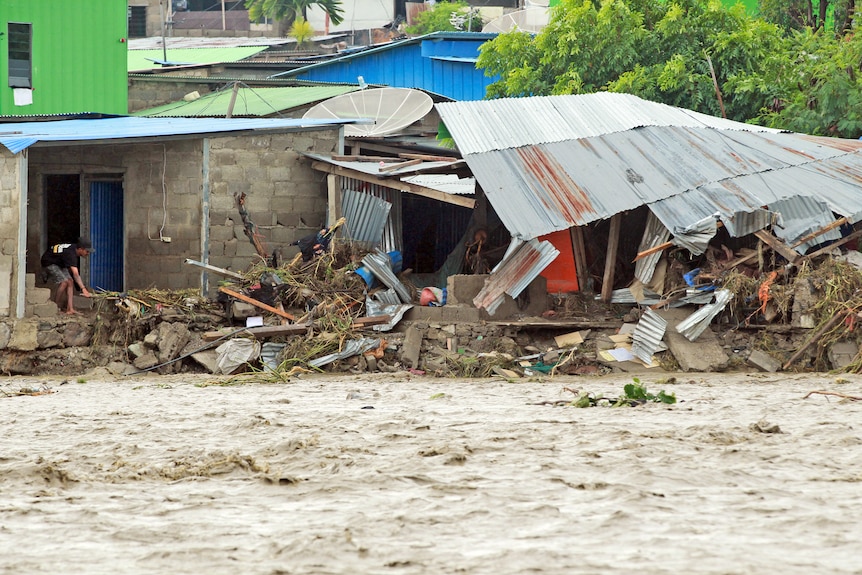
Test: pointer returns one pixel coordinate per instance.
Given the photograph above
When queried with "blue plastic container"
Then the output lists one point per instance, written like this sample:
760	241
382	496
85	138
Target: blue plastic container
395	260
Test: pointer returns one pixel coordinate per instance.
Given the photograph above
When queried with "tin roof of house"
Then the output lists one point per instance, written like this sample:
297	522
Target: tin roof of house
247	101
549	163
158	58
19	136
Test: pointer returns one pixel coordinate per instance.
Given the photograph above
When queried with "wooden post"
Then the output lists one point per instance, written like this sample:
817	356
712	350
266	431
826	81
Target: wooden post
611	257
232	100
580	252
333	199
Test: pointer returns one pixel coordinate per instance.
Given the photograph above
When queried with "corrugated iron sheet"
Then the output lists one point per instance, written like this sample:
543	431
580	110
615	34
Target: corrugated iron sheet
447	183
515	272
648	335
258	102
366	217
392	233
695	324
373	168
801	216
486	125
380	265
540	189
144	59
19	136
655	234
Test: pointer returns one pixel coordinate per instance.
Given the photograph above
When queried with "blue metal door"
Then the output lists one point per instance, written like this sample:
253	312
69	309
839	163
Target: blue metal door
106	233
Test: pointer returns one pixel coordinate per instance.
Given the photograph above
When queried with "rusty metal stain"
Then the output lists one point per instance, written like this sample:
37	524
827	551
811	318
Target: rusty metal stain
558	190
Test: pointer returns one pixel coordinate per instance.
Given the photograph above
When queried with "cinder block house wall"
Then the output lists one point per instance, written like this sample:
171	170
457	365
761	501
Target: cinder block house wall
285	198
11	168
164	196
151	209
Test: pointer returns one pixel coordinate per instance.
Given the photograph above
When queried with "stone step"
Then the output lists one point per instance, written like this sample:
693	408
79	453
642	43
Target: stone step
35	295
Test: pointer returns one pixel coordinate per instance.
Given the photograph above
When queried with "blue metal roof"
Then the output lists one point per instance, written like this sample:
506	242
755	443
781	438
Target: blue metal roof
19	136
442	62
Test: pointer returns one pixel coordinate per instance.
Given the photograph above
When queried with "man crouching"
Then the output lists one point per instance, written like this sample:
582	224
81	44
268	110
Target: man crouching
60	265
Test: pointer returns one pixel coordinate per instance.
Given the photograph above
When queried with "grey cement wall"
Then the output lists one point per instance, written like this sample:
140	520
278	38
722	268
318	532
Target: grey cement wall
286	199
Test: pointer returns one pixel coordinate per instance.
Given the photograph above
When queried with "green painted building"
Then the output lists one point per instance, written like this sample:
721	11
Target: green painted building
63	57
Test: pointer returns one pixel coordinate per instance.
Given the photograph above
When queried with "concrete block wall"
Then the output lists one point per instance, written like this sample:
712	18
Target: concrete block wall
285	198
149	93
164	194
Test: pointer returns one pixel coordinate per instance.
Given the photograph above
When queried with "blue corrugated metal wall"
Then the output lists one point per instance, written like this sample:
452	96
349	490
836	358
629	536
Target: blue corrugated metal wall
106	229
410	65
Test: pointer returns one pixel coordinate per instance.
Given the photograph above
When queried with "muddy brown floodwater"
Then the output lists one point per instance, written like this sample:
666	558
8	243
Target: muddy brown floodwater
399	475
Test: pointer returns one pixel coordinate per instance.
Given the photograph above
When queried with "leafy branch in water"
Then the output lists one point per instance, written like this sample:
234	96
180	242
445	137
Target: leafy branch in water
634	394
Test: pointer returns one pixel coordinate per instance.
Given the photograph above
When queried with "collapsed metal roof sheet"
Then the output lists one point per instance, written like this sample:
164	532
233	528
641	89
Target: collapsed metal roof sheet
448	183
544	188
247	102
486	125
19	136
379	168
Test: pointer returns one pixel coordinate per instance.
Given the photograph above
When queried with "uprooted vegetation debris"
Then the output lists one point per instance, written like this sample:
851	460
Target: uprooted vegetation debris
318	308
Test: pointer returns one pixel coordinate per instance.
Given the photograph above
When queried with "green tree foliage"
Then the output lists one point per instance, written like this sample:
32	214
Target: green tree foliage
660	51
813	83
290	10
447	16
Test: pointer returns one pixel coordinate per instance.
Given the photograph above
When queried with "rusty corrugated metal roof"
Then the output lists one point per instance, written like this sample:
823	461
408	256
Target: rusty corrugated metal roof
543	188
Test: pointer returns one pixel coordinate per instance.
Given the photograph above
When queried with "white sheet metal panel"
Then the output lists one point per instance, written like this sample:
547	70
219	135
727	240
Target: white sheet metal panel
695	324
447	183
486	125
373	168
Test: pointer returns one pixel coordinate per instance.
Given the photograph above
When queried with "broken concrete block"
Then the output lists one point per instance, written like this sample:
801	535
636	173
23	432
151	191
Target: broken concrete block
704	354
137	349
411	348
842	353
208	359
24	336
146	361
763	361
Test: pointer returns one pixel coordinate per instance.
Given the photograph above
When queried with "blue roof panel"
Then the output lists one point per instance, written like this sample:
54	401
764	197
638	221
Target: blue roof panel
19	136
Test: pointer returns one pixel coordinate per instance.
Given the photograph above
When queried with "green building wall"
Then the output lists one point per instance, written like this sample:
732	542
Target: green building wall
78	56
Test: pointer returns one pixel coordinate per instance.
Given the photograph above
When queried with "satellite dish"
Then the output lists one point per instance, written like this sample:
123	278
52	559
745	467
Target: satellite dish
392	109
526	20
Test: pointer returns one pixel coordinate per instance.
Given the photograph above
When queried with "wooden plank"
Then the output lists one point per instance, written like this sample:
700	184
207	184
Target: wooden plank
611	257
396	184
580	253
428	158
333	198
816	233
358	158
786	251
221	271
262	331
371	320
256	303
393	167
841	242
